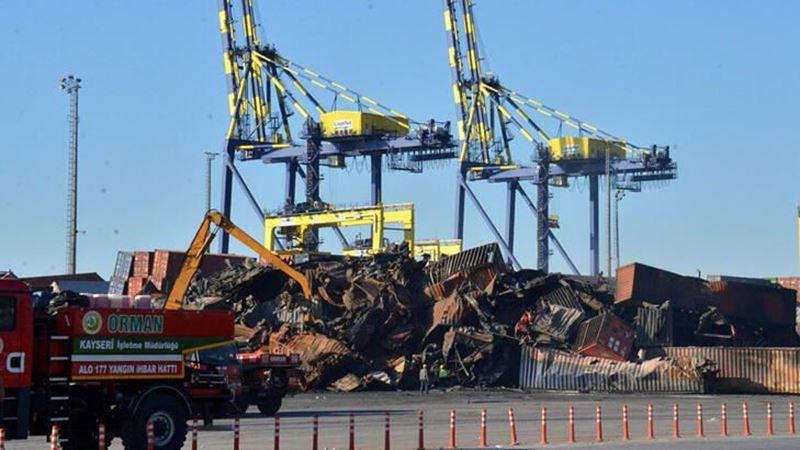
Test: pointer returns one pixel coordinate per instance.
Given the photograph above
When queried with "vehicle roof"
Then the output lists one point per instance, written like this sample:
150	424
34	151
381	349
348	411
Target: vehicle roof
7	285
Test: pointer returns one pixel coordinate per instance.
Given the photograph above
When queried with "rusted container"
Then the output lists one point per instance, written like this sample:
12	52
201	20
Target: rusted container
772	304
605	336
556	370
142	263
790	283
637	283
749	370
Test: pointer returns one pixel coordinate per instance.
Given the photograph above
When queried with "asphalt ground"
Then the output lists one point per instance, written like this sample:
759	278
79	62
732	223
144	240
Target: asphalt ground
369	411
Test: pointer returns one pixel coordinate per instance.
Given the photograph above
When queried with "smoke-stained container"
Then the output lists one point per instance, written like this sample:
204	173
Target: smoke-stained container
605	336
749	370
556	370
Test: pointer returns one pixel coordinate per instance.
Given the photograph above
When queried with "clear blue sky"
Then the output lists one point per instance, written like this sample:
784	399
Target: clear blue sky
718	80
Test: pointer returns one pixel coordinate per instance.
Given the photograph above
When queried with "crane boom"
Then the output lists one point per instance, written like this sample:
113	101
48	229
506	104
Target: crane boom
199	247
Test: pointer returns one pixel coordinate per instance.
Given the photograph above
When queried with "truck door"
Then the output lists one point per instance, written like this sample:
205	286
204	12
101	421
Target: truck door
16	340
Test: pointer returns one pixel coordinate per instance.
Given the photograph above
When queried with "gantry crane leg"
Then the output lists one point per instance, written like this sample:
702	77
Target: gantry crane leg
227	190
511	212
460	198
594	225
376	179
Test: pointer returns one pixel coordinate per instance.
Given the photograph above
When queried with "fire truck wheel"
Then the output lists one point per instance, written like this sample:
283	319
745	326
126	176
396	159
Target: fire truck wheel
169	424
270	406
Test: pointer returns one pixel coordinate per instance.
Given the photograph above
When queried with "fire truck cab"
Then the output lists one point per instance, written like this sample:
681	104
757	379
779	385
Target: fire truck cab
78	367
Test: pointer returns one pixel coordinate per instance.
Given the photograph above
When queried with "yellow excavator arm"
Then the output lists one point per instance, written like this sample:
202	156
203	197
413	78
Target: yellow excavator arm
199	247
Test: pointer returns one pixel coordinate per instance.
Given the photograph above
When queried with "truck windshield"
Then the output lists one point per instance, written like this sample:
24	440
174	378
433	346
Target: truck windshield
219	356
7	313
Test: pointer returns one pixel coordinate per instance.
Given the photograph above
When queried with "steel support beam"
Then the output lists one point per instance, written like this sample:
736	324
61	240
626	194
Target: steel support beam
242	184
313	147
228	154
511	207
460	191
550	234
543	215
594	225
376	179
488	221
291	183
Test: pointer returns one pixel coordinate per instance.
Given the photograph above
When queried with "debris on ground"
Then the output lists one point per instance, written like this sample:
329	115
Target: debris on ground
374	321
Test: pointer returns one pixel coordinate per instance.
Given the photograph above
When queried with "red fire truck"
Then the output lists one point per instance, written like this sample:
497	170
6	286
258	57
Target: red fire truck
78	367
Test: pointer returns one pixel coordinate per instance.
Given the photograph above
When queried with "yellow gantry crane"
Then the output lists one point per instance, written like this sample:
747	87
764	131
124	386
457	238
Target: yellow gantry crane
379	219
266	89
488	114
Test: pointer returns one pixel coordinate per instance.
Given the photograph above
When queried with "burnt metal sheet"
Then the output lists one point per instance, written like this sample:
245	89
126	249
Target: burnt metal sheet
653	325
557	321
746	370
450	311
564	296
475	258
550	369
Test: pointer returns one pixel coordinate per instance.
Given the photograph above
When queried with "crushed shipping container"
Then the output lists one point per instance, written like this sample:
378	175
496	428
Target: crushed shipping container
557	370
748	370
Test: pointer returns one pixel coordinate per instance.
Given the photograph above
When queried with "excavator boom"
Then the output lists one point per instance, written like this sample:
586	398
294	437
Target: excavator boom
199	247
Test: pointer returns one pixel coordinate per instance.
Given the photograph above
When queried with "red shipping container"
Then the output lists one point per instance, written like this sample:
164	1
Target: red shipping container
605	336
136	284
142	263
167	263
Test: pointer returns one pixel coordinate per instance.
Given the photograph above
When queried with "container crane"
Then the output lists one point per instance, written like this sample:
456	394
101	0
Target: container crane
265	89
488	112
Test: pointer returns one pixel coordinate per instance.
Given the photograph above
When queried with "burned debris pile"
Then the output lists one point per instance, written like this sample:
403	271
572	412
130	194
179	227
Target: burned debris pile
374	323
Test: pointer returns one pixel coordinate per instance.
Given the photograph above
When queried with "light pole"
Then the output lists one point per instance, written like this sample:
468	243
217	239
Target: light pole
71	85
209	157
